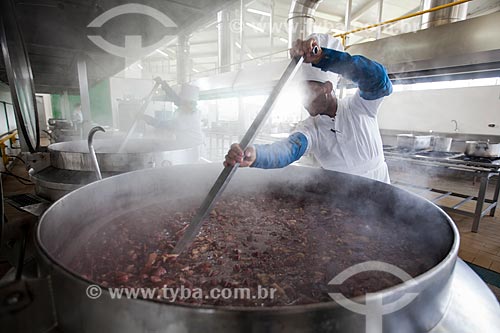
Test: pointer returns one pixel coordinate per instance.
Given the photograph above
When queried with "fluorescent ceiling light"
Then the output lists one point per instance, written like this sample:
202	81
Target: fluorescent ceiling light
237	45
140	66
162	53
173	40
250	56
260	12
253	26
284	40
195	70
210	24
325	16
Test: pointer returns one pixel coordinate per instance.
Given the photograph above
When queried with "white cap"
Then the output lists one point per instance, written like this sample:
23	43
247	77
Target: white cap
189	93
309	73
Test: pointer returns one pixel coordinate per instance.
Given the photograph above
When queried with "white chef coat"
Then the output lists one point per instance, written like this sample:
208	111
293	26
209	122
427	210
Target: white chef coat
187	128
351	141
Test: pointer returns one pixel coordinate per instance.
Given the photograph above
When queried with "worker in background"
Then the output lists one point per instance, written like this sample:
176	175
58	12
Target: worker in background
186	122
342	134
77	118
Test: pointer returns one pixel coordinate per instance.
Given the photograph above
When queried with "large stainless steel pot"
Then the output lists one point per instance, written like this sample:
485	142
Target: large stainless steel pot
442	144
482	149
71	164
414	142
139	154
442	298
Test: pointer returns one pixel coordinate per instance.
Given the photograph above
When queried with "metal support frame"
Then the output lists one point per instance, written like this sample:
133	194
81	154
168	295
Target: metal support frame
6	114
478	214
363	10
183	69
495	198
224	40
271	36
348	12
466	200
380	10
84	93
242	31
480	199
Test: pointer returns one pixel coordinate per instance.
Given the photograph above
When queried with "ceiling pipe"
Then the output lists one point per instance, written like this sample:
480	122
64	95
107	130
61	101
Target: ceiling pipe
223	40
301	19
182	60
443	16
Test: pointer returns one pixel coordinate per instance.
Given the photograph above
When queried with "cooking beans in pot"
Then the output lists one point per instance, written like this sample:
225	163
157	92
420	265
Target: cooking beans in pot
292	244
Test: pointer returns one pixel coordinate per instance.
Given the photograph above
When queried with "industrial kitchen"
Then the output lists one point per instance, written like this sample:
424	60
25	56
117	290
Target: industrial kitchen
278	166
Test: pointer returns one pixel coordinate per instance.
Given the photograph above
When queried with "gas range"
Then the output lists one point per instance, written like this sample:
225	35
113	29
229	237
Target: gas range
420	152
483	160
453	162
442	158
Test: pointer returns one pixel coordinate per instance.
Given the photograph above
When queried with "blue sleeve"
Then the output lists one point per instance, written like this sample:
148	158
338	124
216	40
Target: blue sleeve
370	76
281	153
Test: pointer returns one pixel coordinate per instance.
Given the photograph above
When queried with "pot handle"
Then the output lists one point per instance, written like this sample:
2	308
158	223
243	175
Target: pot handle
90	142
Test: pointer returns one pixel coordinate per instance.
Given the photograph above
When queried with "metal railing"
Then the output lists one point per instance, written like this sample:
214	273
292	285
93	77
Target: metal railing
11	137
397	19
342	36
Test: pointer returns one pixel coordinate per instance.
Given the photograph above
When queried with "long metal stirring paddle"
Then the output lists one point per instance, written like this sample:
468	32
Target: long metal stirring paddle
226	174
143	108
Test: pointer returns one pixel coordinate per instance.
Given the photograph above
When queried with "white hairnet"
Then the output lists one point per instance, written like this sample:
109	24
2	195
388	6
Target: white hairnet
309	73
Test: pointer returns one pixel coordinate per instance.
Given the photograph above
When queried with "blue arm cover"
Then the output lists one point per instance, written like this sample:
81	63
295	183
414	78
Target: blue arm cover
281	153
370	76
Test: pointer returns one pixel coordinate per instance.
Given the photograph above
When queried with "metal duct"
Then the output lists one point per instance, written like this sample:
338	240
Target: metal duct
183	68
301	19
224	40
442	16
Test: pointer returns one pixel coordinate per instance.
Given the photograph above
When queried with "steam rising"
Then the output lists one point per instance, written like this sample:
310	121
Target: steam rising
389	215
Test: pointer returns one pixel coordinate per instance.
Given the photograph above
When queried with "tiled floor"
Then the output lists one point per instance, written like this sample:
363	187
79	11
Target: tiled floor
481	248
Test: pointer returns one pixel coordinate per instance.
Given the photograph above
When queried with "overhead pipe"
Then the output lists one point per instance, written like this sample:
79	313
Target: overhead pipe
301	19
224	40
397	19
83	83
183	68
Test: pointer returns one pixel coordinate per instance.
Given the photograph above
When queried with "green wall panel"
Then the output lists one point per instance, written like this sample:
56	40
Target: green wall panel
100	103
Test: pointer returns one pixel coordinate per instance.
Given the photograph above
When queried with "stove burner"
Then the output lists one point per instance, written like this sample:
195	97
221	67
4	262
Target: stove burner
439	154
404	151
477	159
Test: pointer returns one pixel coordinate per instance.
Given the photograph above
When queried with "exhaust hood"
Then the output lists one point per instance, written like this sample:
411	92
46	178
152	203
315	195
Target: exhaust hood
460	50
